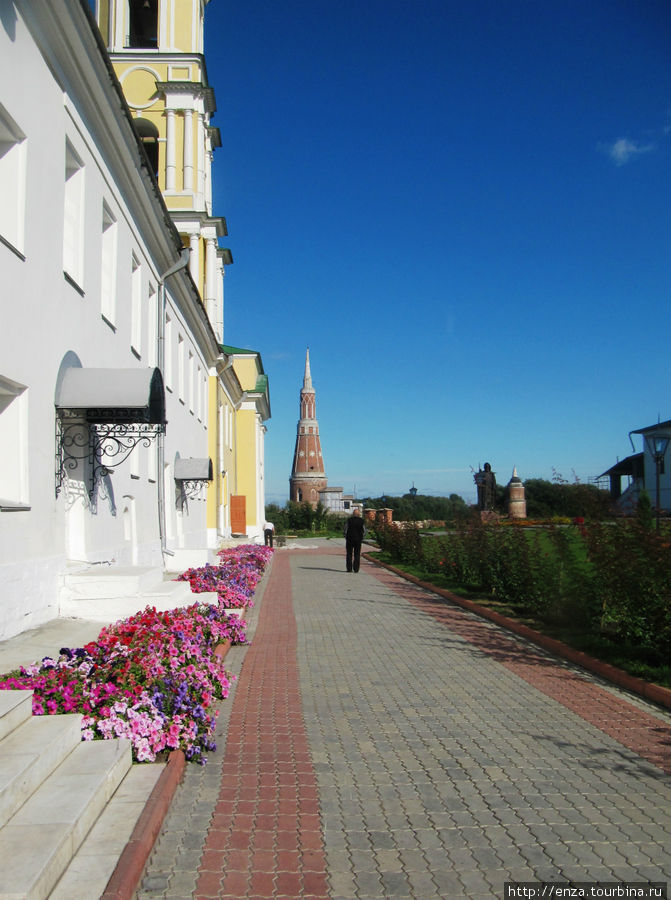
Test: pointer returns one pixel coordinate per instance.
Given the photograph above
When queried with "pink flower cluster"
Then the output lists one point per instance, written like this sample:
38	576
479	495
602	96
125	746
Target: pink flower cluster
152	678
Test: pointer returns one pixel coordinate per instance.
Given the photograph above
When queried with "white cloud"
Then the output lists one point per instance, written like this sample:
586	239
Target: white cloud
623	150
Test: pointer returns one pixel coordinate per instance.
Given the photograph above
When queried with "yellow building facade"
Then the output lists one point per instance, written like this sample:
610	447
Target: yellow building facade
247	478
156	48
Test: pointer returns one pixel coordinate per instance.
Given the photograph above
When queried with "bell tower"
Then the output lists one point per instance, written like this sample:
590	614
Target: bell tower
307	474
157	49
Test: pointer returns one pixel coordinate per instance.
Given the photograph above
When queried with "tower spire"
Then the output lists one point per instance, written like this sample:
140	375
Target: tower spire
307	474
307	378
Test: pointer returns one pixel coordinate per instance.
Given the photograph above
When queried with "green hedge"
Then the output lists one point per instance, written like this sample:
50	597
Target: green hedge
601	579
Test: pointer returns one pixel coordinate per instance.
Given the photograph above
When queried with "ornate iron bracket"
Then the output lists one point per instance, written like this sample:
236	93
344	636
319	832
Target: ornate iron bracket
191	487
97	446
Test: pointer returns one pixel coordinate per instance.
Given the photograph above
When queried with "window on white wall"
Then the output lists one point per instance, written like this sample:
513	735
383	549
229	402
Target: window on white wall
136	307
152	467
191	376
12	181
152	311
168	350
108	267
180	367
135	463
13	443
206	401
73	216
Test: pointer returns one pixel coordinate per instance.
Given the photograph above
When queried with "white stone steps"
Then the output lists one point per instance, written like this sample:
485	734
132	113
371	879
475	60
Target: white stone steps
40	840
109	582
16	707
29	754
173	594
54	787
109	594
92	867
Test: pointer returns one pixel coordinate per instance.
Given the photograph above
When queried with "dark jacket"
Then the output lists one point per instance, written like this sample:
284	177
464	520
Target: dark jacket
354	529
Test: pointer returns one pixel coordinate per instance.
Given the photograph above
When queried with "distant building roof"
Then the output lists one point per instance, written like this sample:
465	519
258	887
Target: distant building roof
630	465
659	426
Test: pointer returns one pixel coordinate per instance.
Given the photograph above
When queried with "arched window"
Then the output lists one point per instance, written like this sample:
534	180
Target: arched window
143	22
148	133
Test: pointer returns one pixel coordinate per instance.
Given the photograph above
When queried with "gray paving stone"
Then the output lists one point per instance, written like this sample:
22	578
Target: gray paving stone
395	884
368	883
358	840
342	883
388	860
448	883
422	885
461	858
362	860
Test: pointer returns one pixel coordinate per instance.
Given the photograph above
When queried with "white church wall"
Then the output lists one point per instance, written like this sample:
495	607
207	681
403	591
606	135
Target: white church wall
50	317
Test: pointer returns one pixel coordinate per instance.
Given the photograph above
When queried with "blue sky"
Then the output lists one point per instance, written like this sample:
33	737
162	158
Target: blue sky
463	208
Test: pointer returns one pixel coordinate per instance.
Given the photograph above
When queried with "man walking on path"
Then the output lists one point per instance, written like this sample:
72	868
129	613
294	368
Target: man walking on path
354	534
268	532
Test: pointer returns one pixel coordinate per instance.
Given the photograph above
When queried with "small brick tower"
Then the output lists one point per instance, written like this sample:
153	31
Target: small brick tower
517	504
307	474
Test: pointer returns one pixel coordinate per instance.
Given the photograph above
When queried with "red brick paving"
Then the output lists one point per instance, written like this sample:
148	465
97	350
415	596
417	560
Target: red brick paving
265	838
632	727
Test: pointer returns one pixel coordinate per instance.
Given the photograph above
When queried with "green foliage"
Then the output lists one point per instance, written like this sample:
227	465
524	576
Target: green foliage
421	507
546	499
402	544
632	575
644	512
610	581
301	517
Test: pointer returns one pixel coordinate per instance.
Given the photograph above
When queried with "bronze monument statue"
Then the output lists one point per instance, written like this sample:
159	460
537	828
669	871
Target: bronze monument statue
486	484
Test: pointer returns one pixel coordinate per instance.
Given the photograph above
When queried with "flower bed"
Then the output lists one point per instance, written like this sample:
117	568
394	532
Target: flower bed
152	678
234	579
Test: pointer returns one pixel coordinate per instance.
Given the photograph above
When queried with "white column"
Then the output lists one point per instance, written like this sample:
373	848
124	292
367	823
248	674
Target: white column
188	149
210	269
119	40
219	327
200	201
194	268
208	182
170	170
212	293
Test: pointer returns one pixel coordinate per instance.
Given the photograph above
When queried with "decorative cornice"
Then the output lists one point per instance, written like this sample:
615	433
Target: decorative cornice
192	88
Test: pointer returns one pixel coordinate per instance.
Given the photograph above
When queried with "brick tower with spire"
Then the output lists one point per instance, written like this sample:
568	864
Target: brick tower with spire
307	474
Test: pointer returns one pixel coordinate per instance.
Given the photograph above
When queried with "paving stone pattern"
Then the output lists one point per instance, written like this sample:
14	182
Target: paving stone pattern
445	768
436	756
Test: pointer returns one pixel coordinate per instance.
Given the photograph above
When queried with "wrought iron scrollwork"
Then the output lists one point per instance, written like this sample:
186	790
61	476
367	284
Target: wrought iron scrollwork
191	487
102	446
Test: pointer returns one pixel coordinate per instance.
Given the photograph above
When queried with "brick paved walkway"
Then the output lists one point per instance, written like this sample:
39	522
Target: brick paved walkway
444	757
265	836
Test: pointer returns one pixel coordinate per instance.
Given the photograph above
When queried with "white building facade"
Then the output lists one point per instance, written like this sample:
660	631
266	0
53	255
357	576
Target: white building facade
106	347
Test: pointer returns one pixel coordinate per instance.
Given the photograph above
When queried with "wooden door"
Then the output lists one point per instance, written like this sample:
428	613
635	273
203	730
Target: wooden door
238	514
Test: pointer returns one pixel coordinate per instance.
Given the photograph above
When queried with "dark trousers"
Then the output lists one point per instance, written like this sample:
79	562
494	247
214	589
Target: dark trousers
352	555
268	535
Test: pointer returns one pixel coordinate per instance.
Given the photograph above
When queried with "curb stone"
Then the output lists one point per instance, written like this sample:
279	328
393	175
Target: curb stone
129	868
